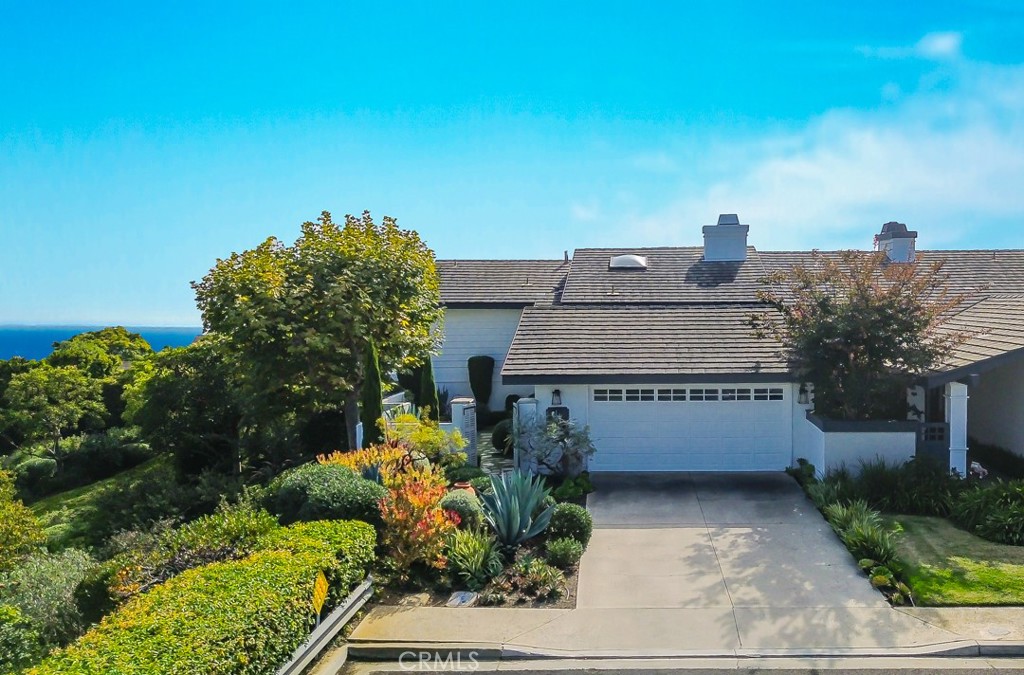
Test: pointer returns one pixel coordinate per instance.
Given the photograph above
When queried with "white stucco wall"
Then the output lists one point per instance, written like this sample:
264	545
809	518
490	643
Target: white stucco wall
576	397
807	443
995	410
473	332
849	449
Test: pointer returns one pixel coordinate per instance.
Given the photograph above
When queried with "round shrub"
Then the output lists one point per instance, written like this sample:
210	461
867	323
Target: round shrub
564	553
466	505
571	520
501	436
325	492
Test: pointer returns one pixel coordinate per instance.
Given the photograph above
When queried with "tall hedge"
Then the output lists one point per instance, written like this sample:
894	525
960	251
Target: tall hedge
371	410
481	375
427	395
240	617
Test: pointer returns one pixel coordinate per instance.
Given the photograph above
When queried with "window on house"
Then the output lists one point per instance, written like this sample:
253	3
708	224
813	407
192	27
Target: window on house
761	394
710	394
614	394
600	394
728	394
632	394
696	394
742	394
775	394
664	394
646	394
678	394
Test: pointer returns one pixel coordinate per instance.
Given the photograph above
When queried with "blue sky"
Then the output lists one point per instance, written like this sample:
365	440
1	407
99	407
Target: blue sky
141	141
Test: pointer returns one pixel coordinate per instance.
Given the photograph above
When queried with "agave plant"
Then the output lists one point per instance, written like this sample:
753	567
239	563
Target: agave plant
514	508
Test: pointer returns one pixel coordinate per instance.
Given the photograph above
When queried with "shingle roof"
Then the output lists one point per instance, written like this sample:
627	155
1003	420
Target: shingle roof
988	272
500	282
654	343
673	275
998	324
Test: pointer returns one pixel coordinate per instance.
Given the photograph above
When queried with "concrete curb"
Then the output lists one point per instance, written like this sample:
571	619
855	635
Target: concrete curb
388	651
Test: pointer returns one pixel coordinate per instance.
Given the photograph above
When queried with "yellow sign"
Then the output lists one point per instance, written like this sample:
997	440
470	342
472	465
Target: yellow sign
319	592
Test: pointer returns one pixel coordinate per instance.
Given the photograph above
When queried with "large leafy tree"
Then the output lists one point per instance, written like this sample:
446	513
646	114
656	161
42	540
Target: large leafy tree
299	319
11	432
860	329
111	355
50	402
185	403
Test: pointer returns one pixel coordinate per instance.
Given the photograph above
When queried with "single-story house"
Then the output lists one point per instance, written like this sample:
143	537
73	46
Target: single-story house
650	348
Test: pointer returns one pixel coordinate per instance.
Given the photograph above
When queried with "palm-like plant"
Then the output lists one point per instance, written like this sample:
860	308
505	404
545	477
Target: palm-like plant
515	508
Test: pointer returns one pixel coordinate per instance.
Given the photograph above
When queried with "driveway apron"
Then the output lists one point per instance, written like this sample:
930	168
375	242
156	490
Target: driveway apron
736	541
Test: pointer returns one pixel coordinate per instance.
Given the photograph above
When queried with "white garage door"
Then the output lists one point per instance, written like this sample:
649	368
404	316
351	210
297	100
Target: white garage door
691	428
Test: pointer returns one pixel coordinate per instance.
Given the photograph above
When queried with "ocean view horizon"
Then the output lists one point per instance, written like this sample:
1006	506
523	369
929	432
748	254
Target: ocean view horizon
36	341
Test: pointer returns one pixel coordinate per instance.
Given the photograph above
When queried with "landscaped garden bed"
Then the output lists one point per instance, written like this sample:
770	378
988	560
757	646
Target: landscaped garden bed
943	541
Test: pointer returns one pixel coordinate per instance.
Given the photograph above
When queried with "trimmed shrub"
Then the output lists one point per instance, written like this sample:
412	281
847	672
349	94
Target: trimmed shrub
325	492
466	506
571	520
481	374
426	397
564	553
510	402
240	617
474	557
501	437
371	408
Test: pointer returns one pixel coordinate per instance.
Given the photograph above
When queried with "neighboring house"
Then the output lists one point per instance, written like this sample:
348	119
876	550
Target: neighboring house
651	348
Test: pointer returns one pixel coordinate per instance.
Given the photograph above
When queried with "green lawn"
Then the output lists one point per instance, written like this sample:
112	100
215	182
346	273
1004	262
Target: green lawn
947	566
67	516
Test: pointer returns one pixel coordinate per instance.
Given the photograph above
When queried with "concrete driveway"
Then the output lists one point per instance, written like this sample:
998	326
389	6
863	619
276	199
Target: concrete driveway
749	542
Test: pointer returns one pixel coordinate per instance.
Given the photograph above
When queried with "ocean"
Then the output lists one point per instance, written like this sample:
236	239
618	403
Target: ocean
36	342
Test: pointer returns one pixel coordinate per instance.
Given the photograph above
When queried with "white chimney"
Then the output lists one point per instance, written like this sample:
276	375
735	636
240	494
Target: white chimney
897	242
726	241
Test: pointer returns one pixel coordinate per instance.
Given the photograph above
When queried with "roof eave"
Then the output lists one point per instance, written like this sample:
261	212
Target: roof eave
977	368
648	378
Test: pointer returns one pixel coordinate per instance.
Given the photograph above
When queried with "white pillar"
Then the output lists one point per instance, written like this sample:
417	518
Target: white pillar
464	419
956	416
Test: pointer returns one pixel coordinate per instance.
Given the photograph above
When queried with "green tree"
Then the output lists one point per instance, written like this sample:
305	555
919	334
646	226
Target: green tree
299	319
860	329
185	404
111	355
52	401
102	353
371	411
11	433
20	533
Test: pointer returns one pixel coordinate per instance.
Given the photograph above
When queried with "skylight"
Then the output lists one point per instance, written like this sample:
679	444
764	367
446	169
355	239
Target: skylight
628	261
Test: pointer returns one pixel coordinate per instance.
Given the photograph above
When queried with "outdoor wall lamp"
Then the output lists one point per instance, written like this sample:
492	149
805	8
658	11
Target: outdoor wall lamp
804	397
556	397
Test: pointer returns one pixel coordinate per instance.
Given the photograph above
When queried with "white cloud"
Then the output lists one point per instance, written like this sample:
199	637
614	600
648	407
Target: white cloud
584	213
938	46
941	161
655	162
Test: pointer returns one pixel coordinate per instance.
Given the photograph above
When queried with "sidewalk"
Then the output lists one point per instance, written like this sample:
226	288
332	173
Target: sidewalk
715	632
